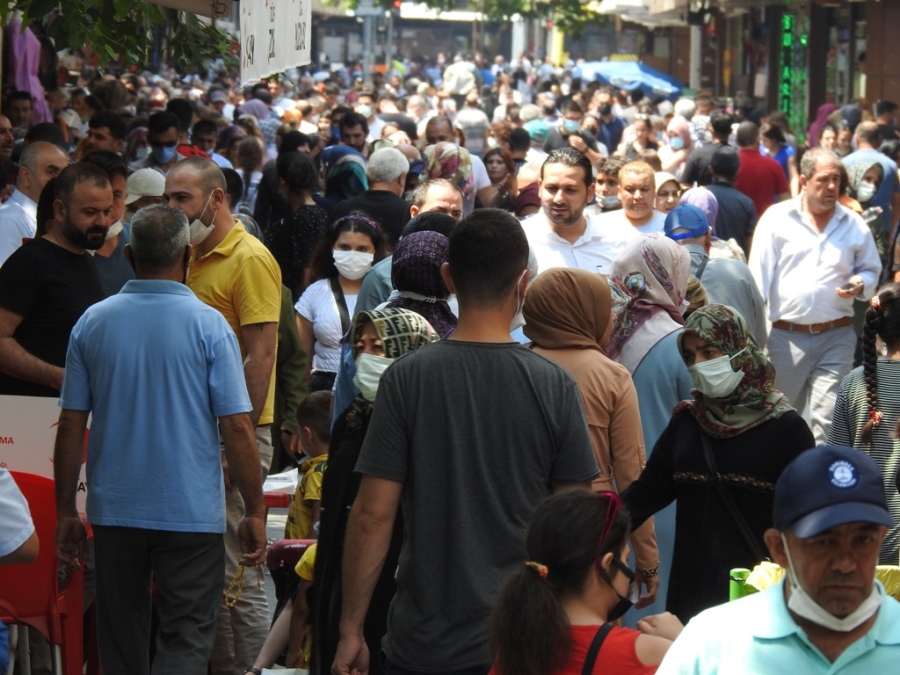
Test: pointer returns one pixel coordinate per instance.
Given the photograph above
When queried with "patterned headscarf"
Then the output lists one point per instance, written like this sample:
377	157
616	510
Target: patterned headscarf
345	171
856	172
649	283
416	274
400	330
567	308
704	200
755	400
448	160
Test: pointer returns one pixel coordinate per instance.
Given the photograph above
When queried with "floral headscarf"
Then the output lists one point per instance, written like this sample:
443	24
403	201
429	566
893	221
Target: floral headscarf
450	161
649	284
755	400
400	330
567	308
416	274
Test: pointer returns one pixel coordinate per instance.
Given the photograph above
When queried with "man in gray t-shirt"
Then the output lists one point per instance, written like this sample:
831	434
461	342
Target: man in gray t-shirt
468	435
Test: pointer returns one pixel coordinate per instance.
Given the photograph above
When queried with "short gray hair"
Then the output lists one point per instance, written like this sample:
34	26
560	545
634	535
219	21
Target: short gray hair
811	159
159	235
29	156
386	165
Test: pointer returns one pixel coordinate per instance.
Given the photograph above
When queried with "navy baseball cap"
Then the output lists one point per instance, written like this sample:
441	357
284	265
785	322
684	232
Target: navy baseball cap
689	218
828	486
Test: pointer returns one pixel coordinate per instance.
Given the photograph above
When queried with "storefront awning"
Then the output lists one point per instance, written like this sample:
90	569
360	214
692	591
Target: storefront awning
636	11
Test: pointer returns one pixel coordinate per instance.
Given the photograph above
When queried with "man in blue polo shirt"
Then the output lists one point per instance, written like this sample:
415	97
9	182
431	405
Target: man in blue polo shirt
162	374
829	614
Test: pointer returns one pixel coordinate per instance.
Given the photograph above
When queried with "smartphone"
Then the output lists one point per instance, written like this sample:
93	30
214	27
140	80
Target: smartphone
852	288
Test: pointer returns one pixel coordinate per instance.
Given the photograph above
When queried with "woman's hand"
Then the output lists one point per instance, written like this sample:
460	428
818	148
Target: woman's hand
665	625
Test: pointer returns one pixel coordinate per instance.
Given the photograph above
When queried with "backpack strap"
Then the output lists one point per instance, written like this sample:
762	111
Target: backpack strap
594	649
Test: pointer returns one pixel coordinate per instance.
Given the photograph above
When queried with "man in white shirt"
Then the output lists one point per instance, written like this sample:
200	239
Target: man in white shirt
811	258
637	194
561	235
18	216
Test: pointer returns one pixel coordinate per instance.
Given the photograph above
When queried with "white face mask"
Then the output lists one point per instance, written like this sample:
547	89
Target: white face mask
865	192
352	265
199	230
518	319
114	229
369	369
716	378
364	110
802	604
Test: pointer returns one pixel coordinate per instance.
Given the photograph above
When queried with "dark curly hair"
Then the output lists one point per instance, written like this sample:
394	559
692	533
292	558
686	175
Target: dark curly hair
322	260
882	320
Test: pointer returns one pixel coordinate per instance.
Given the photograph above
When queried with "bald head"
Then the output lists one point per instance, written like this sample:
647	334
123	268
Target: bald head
40	162
205	172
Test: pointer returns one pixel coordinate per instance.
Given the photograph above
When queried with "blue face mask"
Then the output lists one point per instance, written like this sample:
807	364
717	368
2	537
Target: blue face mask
676	142
164	154
571	126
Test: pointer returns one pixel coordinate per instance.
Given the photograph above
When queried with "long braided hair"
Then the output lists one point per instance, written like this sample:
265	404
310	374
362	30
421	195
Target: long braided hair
882	320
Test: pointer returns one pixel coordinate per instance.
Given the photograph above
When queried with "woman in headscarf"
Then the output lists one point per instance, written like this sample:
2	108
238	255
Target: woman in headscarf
344	172
416	276
706	201
719	459
568	318
819	124
450	161
673	154
864	180
379	338
649	283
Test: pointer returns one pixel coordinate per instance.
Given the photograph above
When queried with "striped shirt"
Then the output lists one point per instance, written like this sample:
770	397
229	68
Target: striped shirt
851	412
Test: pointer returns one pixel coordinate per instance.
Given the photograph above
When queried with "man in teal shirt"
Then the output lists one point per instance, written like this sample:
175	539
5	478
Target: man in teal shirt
829	614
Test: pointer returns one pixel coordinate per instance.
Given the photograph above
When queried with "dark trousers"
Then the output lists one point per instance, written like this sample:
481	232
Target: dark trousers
391	668
188	568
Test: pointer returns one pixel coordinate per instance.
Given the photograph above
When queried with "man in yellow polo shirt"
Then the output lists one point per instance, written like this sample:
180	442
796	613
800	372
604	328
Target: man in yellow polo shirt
234	272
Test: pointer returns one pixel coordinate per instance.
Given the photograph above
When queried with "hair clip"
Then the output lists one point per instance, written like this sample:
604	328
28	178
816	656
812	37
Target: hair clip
541	570
876	303
876	416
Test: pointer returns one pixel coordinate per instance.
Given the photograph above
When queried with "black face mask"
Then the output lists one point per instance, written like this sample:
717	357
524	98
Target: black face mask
624	604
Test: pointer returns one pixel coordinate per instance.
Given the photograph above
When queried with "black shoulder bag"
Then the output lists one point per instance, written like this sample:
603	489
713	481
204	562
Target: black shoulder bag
338	294
594	649
738	518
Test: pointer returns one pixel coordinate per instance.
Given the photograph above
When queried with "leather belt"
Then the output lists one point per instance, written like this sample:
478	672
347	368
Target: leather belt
813	328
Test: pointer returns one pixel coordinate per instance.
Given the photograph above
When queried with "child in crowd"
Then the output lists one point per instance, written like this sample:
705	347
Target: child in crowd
314	420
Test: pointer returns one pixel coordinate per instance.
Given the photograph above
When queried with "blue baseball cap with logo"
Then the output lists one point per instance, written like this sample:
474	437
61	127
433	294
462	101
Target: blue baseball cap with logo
689	220
829	486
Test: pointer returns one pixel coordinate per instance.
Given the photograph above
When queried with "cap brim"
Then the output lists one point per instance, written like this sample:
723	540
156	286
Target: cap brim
840	514
132	198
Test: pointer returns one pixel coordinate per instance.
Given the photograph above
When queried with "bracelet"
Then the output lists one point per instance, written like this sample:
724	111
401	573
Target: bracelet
654	572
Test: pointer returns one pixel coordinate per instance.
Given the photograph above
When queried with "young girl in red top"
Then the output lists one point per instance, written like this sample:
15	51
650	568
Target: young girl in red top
575	581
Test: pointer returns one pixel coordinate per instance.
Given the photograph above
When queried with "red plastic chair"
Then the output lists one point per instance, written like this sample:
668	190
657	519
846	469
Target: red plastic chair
29	593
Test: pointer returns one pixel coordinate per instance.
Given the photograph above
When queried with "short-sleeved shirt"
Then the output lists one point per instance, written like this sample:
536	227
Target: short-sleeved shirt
477	434
602	242
18	221
309	489
736	218
760	178
156	367
306	566
15	525
757	634
319	306
241	279
49	287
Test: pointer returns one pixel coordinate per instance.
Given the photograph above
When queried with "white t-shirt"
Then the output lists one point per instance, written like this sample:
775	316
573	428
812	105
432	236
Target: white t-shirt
481	179
655	225
318	306
15	525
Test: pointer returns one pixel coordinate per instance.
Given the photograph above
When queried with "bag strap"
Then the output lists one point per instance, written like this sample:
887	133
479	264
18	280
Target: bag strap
594	649
341	303
701	268
733	509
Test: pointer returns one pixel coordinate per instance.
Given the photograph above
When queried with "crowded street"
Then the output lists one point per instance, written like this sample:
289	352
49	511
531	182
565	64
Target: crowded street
398	340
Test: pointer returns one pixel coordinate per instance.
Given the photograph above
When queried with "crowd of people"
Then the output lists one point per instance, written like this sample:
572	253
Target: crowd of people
542	351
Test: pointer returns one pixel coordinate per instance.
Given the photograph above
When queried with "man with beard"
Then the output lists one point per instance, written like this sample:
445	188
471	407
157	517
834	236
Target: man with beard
8	168
47	284
562	235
